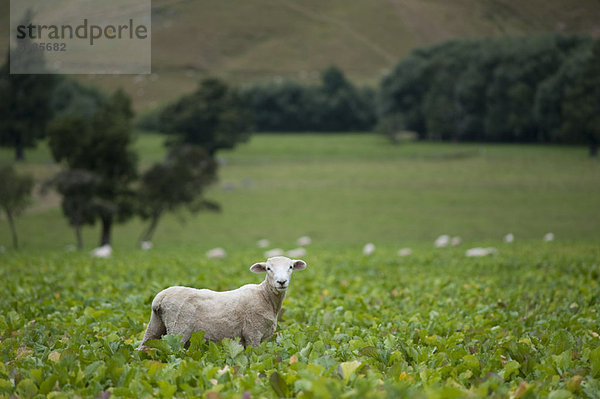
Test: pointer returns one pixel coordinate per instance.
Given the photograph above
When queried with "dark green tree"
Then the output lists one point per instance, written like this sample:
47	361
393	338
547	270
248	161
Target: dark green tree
100	145
177	182
24	97
581	103
213	117
15	195
24	109
78	189
343	106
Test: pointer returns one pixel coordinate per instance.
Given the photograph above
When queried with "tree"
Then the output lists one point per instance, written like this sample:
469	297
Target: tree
24	100
100	146
15	195
213	117
79	202
177	182
581	103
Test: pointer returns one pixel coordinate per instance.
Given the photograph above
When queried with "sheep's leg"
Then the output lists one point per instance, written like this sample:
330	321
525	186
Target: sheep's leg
156	329
185	338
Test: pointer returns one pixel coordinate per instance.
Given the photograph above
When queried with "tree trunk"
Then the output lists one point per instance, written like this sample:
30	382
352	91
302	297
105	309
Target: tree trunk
19	152
594	150
13	231
79	238
106	226
147	236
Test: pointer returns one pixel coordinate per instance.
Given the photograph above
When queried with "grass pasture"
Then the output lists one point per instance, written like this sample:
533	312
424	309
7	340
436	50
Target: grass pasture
519	324
355	188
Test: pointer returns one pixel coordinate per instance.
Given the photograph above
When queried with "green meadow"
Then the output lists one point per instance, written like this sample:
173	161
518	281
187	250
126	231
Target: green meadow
351	189
522	323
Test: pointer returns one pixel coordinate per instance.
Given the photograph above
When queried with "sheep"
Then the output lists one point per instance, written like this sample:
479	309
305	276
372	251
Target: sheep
216	253
249	312
404	252
368	249
303	241
478	252
456	241
442	241
146	245
296	252
104	251
510	237
274	252
549	237
263	243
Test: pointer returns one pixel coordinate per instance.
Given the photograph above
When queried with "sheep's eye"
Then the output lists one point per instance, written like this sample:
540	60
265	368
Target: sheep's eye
268	269
290	268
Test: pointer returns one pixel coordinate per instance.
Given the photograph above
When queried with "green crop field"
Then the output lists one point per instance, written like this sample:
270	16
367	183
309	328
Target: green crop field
436	324
520	324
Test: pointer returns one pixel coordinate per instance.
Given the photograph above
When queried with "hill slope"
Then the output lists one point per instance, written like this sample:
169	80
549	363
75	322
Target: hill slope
244	40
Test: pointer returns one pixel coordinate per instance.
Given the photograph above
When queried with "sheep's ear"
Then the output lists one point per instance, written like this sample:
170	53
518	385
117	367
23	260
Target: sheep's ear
299	265
258	267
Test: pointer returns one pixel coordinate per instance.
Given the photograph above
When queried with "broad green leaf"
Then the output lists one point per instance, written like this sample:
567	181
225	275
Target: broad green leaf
560	394
278	385
26	388
510	368
347	369
595	362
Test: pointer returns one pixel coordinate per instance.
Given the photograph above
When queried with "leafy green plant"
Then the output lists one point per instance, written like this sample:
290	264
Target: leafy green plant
434	325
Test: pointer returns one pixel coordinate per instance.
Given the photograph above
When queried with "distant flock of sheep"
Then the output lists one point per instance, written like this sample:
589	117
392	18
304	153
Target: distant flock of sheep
440	242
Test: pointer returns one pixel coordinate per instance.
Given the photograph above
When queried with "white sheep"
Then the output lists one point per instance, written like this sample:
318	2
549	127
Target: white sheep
478	252
303	241
249	312
146	245
274	252
510	237
549	237
104	251
296	252
368	249
456	241
263	243
404	252
216	253
442	241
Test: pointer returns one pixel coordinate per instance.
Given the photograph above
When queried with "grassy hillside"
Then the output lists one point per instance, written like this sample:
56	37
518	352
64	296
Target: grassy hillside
351	189
245	40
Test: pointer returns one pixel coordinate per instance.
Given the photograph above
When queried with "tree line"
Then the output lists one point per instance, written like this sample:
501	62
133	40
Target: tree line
517	89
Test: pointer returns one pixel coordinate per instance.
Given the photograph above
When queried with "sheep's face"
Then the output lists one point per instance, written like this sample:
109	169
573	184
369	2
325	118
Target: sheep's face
279	270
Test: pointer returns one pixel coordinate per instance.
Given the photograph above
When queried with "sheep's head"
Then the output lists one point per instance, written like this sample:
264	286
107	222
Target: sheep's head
279	270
